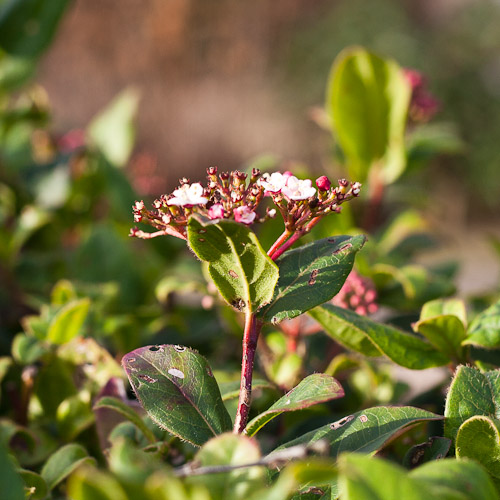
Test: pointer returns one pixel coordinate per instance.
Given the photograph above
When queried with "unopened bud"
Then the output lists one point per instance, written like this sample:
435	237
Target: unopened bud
343	184
323	183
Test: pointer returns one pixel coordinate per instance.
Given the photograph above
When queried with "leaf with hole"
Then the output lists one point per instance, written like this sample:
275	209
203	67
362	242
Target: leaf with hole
176	387
237	264
367	430
311	275
367	336
314	389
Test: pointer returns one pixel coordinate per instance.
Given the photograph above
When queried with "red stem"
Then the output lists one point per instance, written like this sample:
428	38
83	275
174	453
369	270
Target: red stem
286	234
250	337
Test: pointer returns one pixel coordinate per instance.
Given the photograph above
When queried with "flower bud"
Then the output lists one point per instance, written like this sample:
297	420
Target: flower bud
323	183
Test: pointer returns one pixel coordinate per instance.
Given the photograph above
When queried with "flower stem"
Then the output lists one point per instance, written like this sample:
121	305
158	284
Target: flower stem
285	235
250	337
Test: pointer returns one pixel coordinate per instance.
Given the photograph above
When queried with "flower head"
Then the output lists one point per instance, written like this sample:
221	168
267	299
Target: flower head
216	211
297	189
244	214
273	183
188	195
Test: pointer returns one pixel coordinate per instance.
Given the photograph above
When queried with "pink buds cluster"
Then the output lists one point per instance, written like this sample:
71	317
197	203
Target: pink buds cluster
357	294
235	196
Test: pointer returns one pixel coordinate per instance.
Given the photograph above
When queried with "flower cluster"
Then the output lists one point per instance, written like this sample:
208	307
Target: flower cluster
234	196
358	294
423	105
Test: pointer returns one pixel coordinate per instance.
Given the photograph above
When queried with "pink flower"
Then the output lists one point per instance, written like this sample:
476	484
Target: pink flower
297	189
244	214
188	195
323	183
216	211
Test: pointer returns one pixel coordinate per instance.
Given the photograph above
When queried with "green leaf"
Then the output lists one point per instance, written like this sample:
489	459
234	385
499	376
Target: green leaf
64	462
440	307
5	364
484	331
176	387
34	483
471	393
367	101
112	130
74	415
28	26
230	450
311	275
366	336
238	265
68	321
127	412
11	484
366	431
446	333
462	476
478	438
435	448
314	389
90	483
365	478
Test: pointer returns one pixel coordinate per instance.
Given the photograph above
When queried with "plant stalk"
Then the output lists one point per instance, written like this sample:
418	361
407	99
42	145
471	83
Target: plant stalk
250	337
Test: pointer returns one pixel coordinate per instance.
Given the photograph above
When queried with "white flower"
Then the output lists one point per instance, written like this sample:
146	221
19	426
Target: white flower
244	214
273	183
188	195
297	189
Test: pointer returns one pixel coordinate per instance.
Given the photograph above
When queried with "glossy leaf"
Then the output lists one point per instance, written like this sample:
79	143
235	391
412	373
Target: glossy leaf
28	26
464	476
127	412
233	450
311	275
471	393
446	333
64	462
112	130
68	321
366	336
367	101
478	438
238	265
366	431
314	389
176	387
484	331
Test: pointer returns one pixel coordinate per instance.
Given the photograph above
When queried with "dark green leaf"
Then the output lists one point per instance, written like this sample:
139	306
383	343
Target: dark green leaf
68	321
63	462
435	448
34	483
11	484
238	266
127	412
471	393
446	333
28	26
462	476
484	331
314	389
365	336
230	449
478	438
176	387
367	102
366	431
311	275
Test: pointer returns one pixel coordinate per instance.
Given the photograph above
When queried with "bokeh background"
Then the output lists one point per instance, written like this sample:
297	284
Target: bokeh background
223	82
